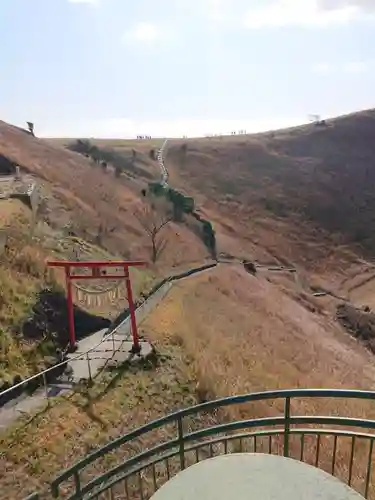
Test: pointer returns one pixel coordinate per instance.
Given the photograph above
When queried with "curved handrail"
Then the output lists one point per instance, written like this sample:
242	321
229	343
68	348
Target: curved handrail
177	446
103	487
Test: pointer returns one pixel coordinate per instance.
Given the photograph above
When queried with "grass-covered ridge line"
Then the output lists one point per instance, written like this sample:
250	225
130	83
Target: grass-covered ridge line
104	155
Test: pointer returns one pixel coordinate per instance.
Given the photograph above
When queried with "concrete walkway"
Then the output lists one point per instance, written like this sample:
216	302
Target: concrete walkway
95	358
25	404
115	348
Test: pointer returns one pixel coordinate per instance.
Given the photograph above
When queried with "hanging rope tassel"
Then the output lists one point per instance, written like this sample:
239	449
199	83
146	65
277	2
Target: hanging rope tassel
99	294
100	298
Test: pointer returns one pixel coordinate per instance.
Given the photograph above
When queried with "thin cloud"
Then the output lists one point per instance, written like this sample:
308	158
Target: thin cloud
313	13
364	5
348	67
216	10
356	67
143	32
322	68
87	2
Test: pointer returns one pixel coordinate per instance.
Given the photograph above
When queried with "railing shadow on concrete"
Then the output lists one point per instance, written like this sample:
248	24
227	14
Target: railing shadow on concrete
179	445
49	376
46	377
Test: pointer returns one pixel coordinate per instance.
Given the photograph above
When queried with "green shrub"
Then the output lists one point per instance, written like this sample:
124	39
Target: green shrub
157	189
80	146
182	205
209	238
102	155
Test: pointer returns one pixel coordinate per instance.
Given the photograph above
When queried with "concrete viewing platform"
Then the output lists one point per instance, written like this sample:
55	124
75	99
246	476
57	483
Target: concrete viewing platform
254	476
94	354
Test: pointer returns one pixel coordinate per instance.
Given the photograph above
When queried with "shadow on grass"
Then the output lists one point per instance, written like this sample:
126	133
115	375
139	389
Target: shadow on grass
132	365
30	419
87	397
85	390
88	408
49	315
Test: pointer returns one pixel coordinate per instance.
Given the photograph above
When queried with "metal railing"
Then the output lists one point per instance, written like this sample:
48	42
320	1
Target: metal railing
148	456
41	379
44	375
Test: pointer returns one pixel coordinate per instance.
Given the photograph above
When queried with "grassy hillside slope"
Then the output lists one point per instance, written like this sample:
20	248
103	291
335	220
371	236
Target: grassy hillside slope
83	209
247	333
220	333
295	197
314	183
84	196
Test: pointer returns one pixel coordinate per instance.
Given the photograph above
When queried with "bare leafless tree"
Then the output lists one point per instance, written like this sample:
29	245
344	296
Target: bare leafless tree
154	219
103	231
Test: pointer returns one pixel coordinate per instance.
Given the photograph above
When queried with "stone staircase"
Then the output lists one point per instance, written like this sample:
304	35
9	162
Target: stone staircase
163	170
13	186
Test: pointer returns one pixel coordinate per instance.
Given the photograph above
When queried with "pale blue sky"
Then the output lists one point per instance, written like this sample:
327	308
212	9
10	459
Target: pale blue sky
116	68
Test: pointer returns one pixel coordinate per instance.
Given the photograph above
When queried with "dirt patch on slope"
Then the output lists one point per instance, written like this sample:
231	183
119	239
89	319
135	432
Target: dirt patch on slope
358	322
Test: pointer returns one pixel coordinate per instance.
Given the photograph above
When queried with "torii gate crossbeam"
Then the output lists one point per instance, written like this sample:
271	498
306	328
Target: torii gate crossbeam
96	273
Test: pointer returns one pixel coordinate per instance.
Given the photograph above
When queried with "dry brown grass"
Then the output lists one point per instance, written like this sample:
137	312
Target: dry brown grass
226	331
9	209
223	332
143	145
74	191
253	325
83	197
242	334
79	193
79	423
23	274
295	194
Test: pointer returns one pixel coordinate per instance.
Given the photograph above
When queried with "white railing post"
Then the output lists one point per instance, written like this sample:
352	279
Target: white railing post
88	366
113	342
45	386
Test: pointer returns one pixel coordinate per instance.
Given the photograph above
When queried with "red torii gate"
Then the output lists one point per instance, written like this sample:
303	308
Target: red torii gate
98	273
